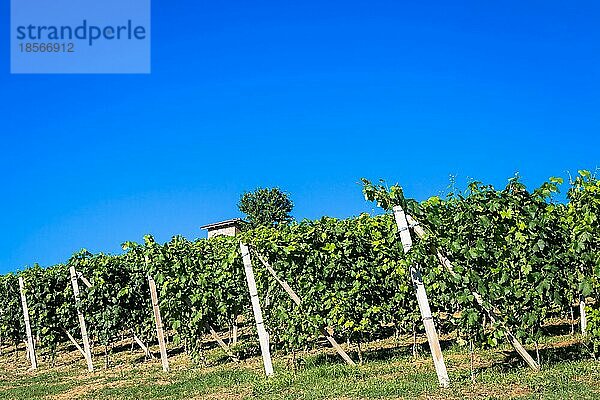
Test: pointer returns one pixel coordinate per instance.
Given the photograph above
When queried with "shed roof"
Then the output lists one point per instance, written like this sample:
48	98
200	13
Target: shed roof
222	224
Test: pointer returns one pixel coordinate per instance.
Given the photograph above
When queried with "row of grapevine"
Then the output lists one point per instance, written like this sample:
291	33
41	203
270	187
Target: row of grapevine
583	222
528	256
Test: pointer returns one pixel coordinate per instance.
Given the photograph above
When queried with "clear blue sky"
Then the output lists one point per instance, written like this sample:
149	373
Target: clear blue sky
309	97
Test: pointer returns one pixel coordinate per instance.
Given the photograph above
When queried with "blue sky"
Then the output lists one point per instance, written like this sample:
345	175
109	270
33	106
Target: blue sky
309	97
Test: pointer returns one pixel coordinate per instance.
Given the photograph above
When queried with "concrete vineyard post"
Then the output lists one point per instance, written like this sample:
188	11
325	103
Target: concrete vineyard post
263	336
234	333
84	280
72	339
220	342
84	335
159	325
432	336
141	344
30	344
27	356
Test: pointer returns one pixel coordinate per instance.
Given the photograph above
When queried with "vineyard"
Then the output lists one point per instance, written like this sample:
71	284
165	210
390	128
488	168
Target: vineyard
496	265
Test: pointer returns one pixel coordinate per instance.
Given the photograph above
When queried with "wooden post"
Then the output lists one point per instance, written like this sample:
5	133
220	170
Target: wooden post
159	325
432	336
263	336
84	335
492	315
30	344
296	299
582	315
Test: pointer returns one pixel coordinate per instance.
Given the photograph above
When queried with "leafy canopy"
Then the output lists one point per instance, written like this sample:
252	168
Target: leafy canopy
387	198
266	207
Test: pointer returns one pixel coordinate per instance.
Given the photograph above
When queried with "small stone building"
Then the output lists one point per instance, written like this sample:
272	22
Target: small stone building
230	227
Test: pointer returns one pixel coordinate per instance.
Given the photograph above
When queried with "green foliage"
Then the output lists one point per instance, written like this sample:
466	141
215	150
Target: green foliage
266	207
387	198
507	245
199	283
12	327
349	273
51	306
118	300
527	256
583	222
593	327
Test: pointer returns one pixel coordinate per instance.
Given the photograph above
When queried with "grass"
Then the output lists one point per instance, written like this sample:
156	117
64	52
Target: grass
390	371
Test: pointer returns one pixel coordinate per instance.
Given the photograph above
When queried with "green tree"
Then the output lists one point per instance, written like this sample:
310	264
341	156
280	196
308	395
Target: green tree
266	207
